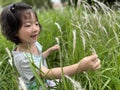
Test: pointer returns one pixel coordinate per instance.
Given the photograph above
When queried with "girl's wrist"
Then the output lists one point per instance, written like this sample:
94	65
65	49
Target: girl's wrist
50	49
79	68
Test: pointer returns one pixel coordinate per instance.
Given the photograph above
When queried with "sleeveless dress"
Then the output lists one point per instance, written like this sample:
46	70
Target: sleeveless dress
22	64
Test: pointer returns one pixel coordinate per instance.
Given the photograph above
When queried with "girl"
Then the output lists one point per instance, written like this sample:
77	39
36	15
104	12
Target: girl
20	25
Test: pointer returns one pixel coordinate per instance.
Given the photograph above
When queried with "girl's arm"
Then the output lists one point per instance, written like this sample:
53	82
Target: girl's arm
50	50
87	63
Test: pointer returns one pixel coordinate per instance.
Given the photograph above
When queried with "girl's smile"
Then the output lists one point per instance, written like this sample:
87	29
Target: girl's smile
34	36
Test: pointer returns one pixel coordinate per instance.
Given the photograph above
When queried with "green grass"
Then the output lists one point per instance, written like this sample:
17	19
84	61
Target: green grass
97	31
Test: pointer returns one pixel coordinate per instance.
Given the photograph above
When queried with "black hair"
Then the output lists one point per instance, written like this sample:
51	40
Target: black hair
11	20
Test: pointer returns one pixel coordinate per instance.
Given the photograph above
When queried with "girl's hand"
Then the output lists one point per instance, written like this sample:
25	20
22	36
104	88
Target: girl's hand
55	47
89	63
50	50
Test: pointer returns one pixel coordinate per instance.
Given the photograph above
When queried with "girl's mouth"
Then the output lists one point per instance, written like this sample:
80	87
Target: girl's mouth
34	35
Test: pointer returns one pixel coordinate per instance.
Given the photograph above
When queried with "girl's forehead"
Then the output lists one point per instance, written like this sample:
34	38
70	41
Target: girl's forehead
28	15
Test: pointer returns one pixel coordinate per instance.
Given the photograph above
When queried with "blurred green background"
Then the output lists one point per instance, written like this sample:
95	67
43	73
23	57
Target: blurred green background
47	3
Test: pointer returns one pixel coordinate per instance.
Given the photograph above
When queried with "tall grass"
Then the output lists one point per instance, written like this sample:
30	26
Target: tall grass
80	32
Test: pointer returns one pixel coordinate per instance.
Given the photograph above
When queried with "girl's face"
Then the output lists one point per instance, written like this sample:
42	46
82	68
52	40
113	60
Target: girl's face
30	28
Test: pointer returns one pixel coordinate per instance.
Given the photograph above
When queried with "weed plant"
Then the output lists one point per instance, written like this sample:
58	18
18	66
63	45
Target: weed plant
79	32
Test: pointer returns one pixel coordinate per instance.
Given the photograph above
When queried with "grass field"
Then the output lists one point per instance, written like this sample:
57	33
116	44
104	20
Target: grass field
80	32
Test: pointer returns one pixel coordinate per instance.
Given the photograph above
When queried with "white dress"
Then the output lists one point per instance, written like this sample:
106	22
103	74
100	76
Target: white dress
22	64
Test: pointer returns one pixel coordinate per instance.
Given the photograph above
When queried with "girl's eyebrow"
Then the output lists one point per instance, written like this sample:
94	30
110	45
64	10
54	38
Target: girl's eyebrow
29	21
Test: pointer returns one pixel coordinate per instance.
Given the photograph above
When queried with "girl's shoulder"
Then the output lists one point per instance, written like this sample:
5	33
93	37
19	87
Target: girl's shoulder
39	46
17	55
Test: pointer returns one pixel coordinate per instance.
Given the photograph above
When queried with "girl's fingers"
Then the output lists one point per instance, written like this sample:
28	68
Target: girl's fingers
92	57
97	64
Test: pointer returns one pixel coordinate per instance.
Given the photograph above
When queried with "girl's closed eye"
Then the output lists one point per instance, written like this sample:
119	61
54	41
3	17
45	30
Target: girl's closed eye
36	23
27	24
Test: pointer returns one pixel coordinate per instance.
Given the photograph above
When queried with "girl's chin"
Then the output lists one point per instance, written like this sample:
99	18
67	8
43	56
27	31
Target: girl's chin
32	41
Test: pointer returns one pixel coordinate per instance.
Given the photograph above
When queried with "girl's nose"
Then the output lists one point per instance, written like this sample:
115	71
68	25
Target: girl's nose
35	28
